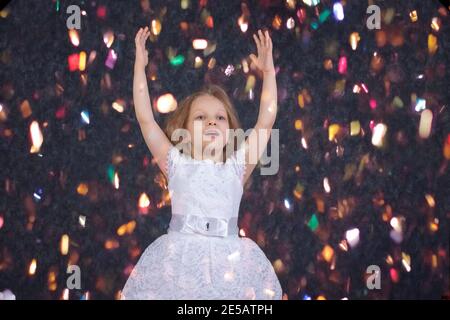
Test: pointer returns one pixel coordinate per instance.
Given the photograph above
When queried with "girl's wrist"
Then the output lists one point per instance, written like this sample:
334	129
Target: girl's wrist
138	67
269	72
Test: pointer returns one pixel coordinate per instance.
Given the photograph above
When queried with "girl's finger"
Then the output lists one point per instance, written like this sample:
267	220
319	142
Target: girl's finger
143	37
257	43
261	37
146	36
256	39
138	35
267	38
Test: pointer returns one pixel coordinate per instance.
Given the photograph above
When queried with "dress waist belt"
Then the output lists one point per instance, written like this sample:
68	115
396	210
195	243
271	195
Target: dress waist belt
208	226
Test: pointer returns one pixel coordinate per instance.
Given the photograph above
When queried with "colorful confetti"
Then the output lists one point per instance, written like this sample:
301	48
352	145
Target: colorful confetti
364	148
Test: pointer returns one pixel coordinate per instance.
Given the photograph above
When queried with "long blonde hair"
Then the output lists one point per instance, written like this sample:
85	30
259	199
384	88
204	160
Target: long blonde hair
178	119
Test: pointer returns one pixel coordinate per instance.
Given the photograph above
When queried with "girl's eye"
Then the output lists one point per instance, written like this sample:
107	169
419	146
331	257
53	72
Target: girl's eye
199	117
221	118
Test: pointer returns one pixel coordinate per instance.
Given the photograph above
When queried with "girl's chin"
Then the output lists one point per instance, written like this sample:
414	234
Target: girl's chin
213	144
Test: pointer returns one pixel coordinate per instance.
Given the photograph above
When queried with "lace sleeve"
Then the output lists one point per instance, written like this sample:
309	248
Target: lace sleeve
172	159
239	162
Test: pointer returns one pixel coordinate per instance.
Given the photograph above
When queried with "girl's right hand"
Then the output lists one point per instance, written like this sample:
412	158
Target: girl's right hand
141	53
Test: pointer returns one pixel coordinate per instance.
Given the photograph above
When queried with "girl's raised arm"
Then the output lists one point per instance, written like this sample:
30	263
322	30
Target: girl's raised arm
157	142
258	138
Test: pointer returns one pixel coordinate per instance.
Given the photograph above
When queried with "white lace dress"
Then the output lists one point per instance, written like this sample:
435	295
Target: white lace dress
202	256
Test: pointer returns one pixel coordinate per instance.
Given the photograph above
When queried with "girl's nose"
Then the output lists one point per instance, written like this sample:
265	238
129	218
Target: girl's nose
210	122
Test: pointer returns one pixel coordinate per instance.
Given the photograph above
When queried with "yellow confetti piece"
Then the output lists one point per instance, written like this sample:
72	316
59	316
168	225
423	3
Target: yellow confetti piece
434	261
432	44
397	102
446	151
413	16
251	80
119	105
355	128
82	61
5	12
298	191
111	244
82	189
301	100
435	23
32	267
278	265
36	137
198	62
277	22
333	130
430	200
434	225
426	119
406	261
327	253
64	244
328	64
144	201
211	63
52	285
291	4
74	38
25	109
354	40
185	4
127	228
320	205
156	27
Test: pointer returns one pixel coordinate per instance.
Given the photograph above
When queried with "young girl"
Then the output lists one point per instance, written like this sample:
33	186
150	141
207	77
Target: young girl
202	255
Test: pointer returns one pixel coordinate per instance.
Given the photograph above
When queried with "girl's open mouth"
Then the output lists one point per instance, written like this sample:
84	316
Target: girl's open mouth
213	133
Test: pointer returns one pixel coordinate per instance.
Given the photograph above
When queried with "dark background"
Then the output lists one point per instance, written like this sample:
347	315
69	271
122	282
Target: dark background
39	201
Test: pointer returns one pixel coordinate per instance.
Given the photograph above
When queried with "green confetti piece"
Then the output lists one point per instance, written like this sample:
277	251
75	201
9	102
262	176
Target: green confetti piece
313	223
324	16
176	61
110	173
314	25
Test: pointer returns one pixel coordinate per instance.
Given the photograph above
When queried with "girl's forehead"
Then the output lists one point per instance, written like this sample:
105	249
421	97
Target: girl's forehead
207	103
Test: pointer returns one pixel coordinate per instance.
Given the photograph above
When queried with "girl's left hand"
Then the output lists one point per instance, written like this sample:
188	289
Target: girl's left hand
264	61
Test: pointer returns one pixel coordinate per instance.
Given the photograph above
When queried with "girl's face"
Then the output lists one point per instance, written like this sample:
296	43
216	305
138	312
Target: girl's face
208	123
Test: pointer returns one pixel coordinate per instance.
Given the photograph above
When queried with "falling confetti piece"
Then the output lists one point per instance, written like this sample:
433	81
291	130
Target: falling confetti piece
379	132
338	11
74	37
64	244
352	237
166	103
36	137
313	223
32	267
426	119
199	44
